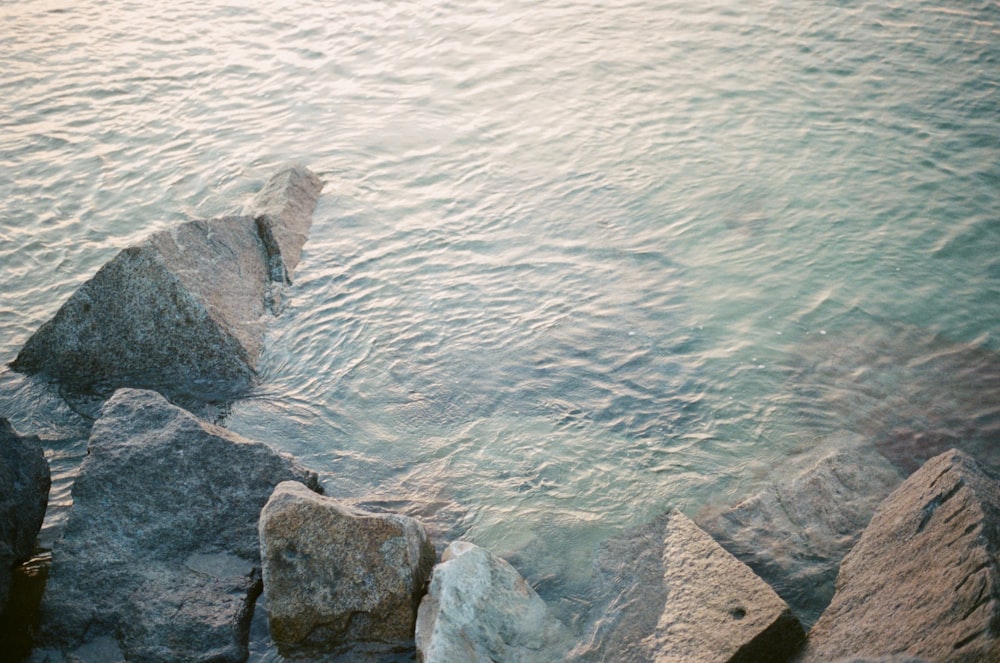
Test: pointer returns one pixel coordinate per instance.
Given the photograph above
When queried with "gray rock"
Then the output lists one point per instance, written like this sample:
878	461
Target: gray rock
478	608
160	551
24	494
283	209
795	531
334	574
182	313
679	596
923	578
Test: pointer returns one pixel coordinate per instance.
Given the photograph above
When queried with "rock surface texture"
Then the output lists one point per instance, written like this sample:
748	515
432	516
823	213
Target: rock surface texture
160	555
717	609
182	313
923	578
795	532
479	609
24	494
680	598
334	574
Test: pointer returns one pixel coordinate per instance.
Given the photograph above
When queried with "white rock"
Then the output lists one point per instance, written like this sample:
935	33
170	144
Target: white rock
478	608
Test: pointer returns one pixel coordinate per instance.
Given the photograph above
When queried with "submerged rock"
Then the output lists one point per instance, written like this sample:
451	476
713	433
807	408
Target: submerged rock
923	578
478	608
183	312
160	551
24	494
678	596
913	393
335	574
795	531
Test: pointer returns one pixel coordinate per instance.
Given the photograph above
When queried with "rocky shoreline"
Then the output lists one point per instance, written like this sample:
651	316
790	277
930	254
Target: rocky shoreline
178	526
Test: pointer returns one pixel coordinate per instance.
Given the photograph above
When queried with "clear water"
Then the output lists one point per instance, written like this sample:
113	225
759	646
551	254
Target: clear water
575	263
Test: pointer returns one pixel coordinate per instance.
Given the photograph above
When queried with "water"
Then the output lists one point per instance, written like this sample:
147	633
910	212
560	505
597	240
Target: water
575	263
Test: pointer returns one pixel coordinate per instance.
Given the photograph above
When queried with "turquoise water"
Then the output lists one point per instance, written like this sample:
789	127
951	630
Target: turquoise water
575	262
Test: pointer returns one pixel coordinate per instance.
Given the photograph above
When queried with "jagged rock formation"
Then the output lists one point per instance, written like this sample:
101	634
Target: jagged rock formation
183	313
478	608
795	531
160	557
923	578
677	596
333	573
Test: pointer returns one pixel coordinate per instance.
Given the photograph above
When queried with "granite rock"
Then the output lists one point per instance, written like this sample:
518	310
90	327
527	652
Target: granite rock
810	513
333	573
479	608
24	494
923	578
183	312
160	551
678	596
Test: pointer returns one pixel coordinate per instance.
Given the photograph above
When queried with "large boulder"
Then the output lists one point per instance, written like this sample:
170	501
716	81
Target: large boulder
333	573
678	596
479	609
24	494
160	555
810	513
182	313
923	578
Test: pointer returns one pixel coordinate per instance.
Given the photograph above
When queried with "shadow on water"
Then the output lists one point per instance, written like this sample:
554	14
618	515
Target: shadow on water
19	620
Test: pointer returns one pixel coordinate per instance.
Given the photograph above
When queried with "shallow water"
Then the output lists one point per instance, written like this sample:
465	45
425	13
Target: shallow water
575	262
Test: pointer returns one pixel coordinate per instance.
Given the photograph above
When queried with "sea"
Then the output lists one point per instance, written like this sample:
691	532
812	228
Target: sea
576	262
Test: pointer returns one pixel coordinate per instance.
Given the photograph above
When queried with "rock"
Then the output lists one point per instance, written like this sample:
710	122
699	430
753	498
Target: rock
678	596
24	494
283	211
160	551
183	312
478	608
334	574
795	531
923	578
716	608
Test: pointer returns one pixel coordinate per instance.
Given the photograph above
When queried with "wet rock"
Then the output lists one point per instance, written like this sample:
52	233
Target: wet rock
182	313
24	494
334	574
678	596
478	608
160	551
283	211
795	531
923	578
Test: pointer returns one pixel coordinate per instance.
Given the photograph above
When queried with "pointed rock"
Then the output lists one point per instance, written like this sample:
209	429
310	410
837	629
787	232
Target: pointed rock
333	573
717	609
183	312
160	551
923	578
479	609
797	529
679	597
283	209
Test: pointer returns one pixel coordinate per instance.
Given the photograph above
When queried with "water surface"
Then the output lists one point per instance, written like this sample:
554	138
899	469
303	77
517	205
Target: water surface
575	263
